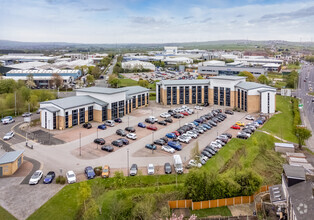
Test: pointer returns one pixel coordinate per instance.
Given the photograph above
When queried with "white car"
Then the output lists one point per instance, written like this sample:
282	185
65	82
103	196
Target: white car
153	118
216	144
190	111
8	136
168	149
150	169
221	142
36	177
71	177
27	114
7	121
249	117
193	163
131	136
198	107
191	134
243	133
165	115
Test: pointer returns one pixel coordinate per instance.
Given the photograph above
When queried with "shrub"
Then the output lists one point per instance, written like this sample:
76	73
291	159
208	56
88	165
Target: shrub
60	180
98	170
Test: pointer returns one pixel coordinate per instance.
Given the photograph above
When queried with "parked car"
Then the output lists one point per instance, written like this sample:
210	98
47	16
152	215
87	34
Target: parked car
247	134
165	139
133	170
38	111
176	133
8	135
141	125
49	177
152	127
120	132
6	118
167	168
150	121
87	125
175	145
242	136
229	112
150	169
207	154
27	114
191	134
193	163
240	123
165	115
198	107
131	136
159	142
178	115
249	117
105	172
162	123
118	120
237	127
7	121
100	141
151	146
107	148
168	149
130	129
117	143
71	177
168	120
185	113
171	135
248	131
36	177
124	141
89	172
102	127
228	135
109	123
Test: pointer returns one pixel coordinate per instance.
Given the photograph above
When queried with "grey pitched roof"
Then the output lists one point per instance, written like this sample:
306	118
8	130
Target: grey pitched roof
51	109
10	157
253	85
228	77
295	172
302	200
102	90
75	101
186	82
135	89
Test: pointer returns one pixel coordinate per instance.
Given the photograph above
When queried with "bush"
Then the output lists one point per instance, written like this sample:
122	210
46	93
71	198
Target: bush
98	170
60	180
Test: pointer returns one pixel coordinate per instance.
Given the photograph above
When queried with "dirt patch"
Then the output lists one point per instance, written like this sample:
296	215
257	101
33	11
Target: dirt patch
243	209
184	212
234	160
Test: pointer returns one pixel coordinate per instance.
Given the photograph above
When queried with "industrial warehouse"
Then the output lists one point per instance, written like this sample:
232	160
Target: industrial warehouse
92	104
226	91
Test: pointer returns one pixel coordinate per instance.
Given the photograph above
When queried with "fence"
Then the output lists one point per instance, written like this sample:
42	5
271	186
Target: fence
215	203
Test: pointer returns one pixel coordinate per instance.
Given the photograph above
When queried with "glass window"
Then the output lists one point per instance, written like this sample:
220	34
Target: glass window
45	119
147	97
245	101
114	110
134	102
121	109
242	99
139	100
168	95
193	94
268	97
54	121
238	98
143	99
66	119
174	95
82	115
222	96
227	96
74	117
104	113
181	95
158	89
90	113
187	95
205	94
199	94
215	95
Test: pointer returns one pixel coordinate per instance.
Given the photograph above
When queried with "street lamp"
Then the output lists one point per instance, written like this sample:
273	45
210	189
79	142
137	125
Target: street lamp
152	141
128	121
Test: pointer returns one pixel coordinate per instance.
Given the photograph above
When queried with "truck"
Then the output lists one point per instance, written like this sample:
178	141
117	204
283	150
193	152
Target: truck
177	163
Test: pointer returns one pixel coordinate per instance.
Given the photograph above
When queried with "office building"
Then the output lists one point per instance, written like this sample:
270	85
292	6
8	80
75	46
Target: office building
225	91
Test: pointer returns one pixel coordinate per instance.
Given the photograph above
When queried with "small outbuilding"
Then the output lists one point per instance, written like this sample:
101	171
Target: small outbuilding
10	162
284	147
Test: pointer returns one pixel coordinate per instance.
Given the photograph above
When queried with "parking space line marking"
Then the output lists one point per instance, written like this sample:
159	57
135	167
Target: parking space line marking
5	142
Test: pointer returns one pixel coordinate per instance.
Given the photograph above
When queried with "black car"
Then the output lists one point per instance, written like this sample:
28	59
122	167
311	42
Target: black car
118	120
159	142
165	139
229	112
168	120
89	172
223	139
162	123
100	141
130	129
209	150
124	141
246	130
207	117
215	120
149	120
87	125
228	135
214	149
120	132
167	168
242	136
107	148
178	115
207	154
49	177
117	143
171	112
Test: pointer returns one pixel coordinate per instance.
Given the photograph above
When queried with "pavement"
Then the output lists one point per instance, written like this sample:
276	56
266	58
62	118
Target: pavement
56	157
306	82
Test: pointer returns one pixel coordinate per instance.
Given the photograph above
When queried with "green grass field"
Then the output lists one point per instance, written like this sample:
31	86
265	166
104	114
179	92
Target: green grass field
281	124
311	93
5	215
293	67
222	211
128	82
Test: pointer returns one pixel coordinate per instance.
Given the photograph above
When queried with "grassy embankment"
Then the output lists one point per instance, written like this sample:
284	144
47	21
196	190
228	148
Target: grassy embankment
5	215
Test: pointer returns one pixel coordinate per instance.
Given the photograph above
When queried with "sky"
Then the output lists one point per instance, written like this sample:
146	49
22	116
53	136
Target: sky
155	21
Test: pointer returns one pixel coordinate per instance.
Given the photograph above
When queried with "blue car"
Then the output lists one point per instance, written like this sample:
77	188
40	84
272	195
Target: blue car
49	177
207	126
170	135
198	120
259	122
175	145
194	122
102	127
151	146
90	173
141	125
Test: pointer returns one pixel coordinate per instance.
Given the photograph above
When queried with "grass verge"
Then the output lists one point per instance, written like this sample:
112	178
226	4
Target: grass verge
128	82
220	211
5	215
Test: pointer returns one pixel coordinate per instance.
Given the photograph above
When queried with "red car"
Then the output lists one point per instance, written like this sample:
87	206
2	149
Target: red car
237	127
176	133
185	113
151	127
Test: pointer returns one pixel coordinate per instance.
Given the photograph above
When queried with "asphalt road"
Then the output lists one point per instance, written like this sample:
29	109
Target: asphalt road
305	85
103	82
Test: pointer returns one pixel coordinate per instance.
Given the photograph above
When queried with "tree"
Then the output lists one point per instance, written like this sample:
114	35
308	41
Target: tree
84	193
91	211
33	101
9	100
249	182
196	185
119	179
90	79
249	76
262	79
199	77
302	134
114	81
90	69
30	81
25	93
143	83
96	72
292	79
57	80
195	151
7	86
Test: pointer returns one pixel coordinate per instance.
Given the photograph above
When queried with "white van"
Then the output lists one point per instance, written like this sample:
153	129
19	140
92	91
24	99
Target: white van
109	123
177	163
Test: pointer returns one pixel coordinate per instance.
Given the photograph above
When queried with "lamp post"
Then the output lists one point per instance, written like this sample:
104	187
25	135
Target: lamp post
127	152
128	121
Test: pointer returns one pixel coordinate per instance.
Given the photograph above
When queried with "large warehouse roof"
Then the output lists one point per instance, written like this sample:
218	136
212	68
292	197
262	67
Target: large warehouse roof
102	90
